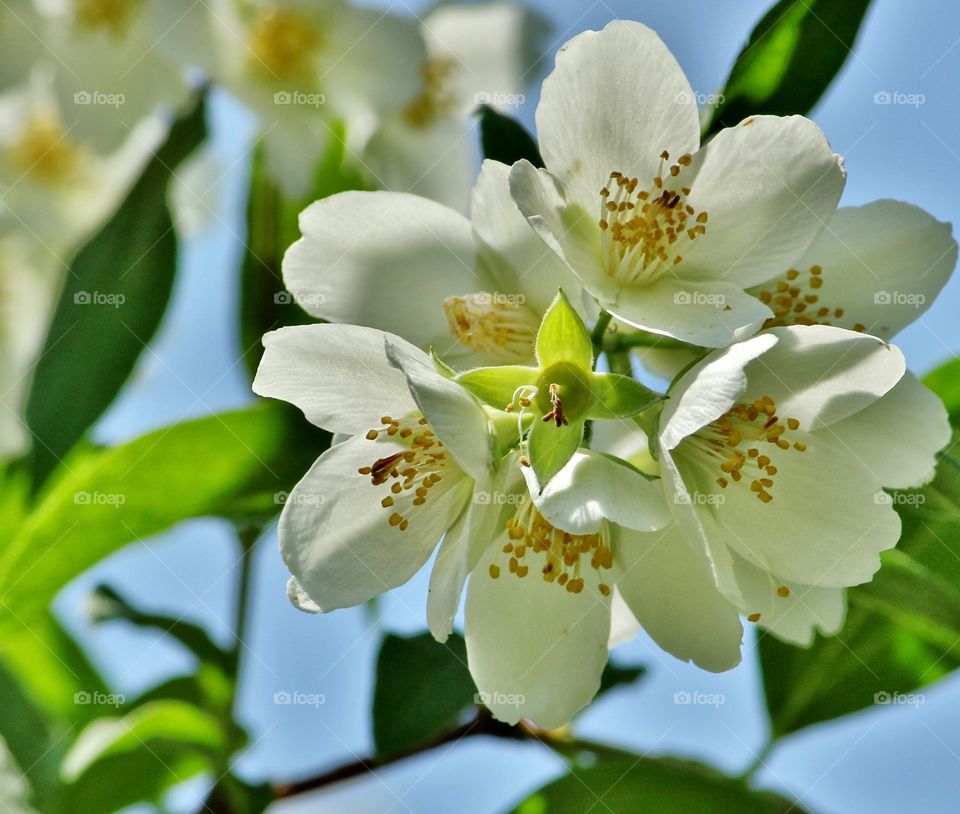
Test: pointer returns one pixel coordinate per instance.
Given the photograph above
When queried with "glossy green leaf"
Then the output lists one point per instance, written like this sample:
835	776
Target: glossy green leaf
422	689
161	744
504	139
233	464
945	382
110	307
631	783
792	56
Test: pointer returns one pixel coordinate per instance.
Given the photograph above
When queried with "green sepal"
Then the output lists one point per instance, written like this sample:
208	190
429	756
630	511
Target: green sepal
563	337
618	396
550	447
497	386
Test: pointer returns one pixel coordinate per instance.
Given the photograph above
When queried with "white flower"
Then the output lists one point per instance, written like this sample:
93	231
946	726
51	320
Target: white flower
54	187
303	65
874	268
476	54
371	510
664	233
774	453
474	290
120	61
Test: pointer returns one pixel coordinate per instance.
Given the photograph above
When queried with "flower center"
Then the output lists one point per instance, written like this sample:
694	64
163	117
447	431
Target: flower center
644	231
494	324
437	97
793	299
565	556
45	152
283	44
411	475
732	444
109	15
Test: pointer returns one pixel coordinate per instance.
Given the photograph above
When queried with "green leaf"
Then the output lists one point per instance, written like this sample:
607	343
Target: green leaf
160	744
616	675
563	338
504	139
791	58
105	605
945	382
110	307
233	464
549	447
422	688
498	386
617	396
632	783
902	630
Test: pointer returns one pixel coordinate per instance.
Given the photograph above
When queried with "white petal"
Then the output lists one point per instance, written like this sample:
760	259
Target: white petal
796	616
592	488
335	536
383	259
624	626
897	437
820	375
535	650
709	313
299	598
825	524
768	186
882	265
338	375
616	99
515	254
676	599
435	161
454	415
709	389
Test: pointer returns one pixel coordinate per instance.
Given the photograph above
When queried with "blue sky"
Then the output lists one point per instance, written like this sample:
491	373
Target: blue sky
884	760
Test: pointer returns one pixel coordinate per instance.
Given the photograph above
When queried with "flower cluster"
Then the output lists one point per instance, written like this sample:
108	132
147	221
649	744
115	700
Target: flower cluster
478	375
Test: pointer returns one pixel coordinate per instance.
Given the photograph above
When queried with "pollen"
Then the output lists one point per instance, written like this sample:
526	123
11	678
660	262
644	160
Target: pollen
45	152
735	446
563	559
794	299
498	325
645	230
283	44
112	16
437	97
411	475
